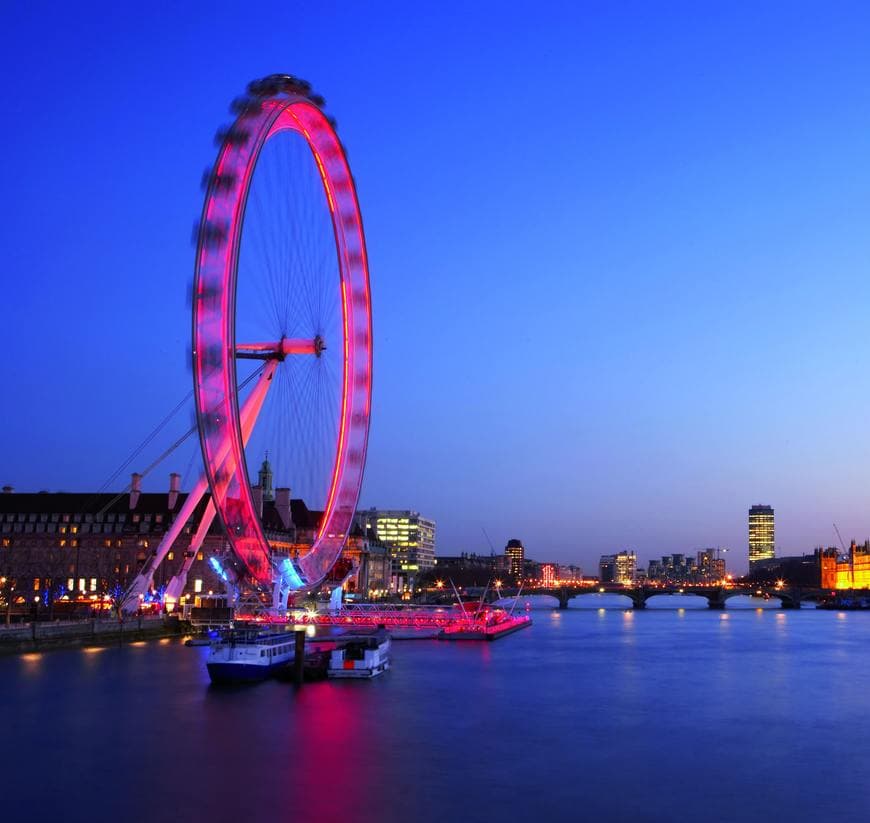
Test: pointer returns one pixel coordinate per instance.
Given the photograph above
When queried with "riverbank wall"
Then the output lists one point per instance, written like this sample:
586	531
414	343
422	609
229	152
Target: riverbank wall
43	636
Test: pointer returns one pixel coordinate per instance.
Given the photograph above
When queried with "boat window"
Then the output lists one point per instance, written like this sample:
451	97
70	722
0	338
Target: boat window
262	652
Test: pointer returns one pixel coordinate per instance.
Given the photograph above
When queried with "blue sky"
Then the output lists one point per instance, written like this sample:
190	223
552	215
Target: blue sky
619	253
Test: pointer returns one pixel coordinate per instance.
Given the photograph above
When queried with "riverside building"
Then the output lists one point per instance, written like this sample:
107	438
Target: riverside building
409	537
761	534
515	553
845	572
86	547
618	568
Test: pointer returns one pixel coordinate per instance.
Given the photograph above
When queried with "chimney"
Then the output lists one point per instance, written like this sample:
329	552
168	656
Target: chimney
257	494
174	488
8	490
282	506
135	488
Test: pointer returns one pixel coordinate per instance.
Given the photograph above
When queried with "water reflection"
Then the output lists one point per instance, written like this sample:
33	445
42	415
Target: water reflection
466	731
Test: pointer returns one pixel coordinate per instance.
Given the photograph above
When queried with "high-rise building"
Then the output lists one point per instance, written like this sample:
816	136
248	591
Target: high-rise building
626	567
515	553
761	534
618	568
409	537
710	567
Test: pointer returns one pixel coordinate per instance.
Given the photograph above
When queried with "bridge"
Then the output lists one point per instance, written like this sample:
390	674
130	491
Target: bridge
790	597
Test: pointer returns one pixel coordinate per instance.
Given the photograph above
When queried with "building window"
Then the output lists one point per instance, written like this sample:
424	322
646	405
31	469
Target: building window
82	585
107	544
93	584
197	585
7	542
199	555
70	584
62	543
36	584
170	556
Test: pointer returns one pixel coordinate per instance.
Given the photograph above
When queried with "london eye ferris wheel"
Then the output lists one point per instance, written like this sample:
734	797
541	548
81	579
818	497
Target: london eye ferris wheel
282	326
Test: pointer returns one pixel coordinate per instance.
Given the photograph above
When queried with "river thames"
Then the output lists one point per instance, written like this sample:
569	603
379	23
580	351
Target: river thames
661	715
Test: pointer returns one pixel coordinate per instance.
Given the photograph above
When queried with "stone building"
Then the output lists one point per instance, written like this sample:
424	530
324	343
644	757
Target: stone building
845	572
87	547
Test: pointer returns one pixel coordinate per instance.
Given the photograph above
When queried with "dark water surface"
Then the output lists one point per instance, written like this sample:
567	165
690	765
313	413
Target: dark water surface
665	716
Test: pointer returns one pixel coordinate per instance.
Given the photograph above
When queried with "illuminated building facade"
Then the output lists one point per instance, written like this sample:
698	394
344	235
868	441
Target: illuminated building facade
850	572
618	568
409	537
548	575
84	547
515	553
761	534
709	567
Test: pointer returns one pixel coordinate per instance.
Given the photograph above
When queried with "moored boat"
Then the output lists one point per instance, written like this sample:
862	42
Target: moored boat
248	656
361	656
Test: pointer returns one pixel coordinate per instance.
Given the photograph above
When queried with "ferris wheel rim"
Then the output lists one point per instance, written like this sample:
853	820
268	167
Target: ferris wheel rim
241	146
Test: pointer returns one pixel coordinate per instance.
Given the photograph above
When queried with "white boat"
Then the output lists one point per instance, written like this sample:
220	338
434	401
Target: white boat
249	656
361	655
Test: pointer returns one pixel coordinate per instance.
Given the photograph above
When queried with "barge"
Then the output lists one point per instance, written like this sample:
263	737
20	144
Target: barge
487	625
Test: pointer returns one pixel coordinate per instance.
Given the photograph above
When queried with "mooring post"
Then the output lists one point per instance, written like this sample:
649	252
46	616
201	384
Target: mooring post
299	657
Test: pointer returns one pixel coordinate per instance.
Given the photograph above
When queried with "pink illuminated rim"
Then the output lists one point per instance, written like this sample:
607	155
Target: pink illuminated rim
214	343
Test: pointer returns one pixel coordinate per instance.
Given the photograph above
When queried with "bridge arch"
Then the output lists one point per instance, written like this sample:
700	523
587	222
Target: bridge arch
534	601
748	601
599	600
675	600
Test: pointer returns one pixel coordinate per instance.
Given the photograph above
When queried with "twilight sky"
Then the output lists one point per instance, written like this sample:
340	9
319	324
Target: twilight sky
619	253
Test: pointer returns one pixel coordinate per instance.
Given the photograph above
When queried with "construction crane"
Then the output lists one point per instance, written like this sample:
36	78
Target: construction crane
491	547
840	536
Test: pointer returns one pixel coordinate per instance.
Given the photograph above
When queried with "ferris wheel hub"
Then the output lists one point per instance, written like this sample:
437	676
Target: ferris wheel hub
280	349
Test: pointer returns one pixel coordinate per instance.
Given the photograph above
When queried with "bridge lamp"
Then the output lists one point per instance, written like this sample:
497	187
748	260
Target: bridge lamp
498	584
780	583
601	590
439	584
